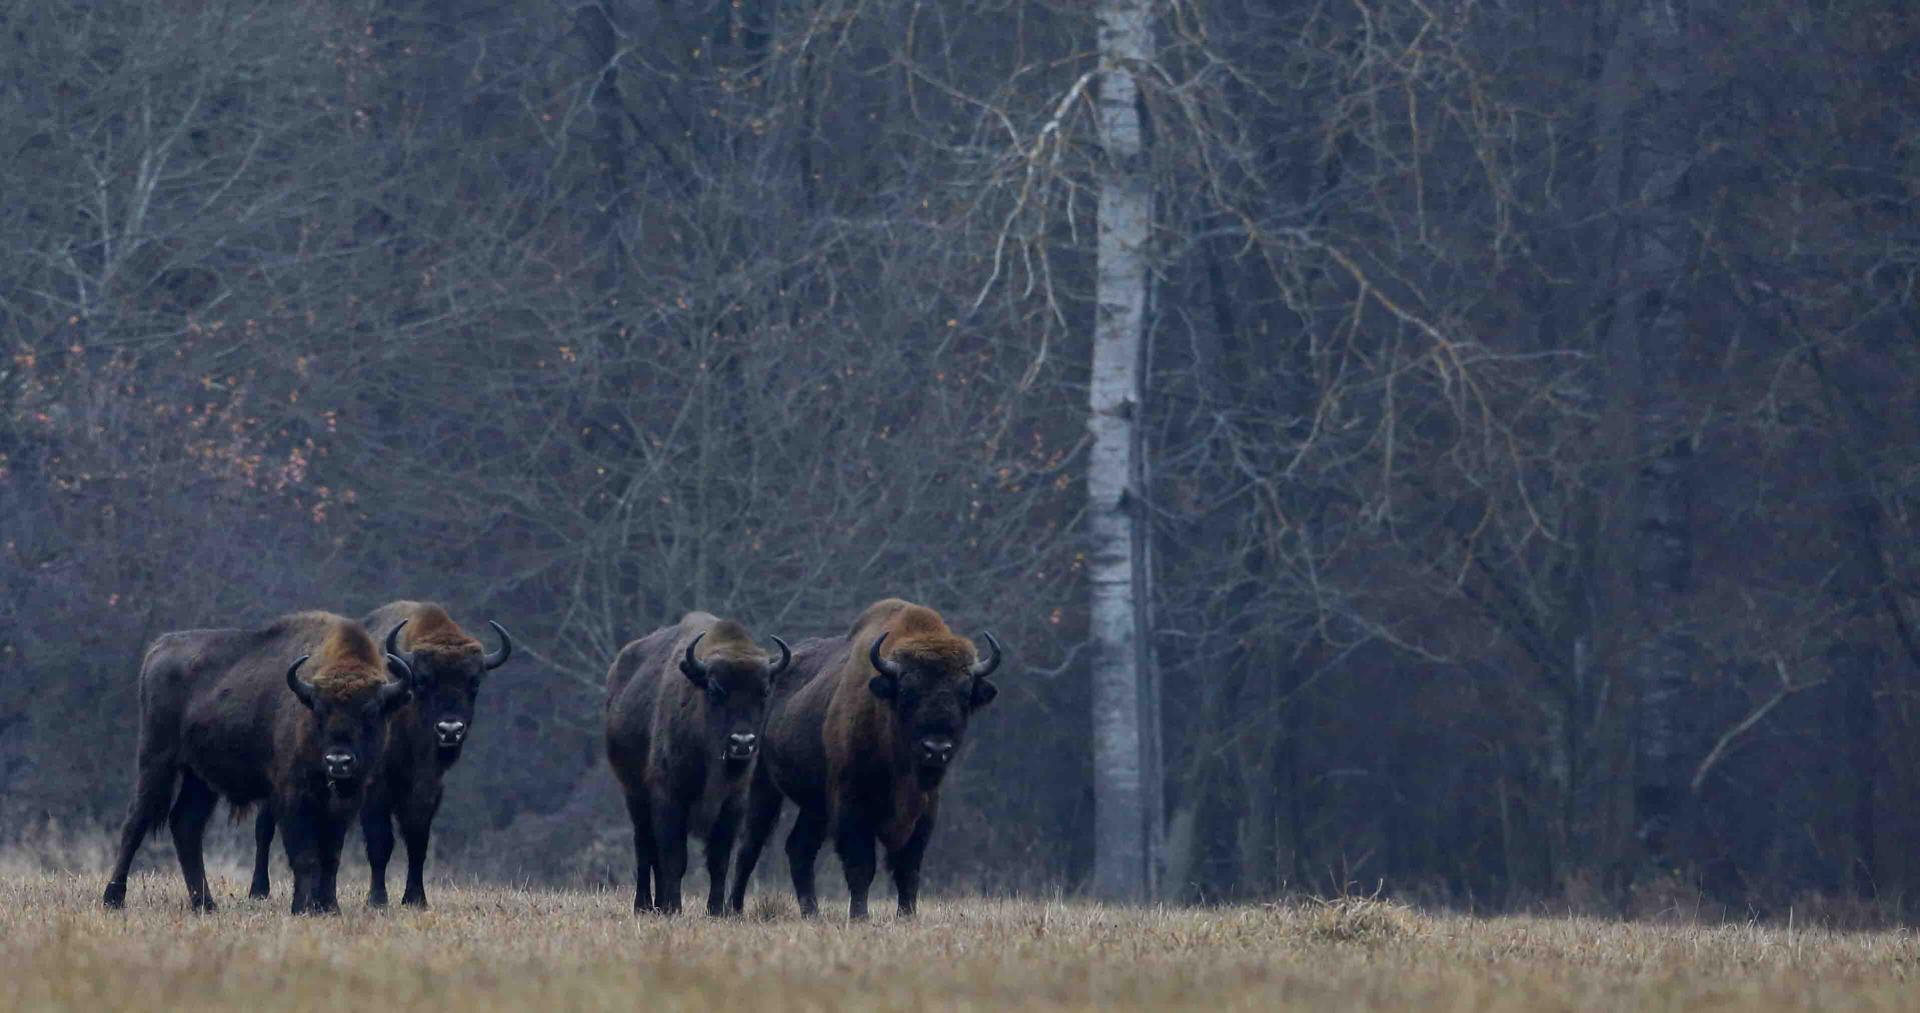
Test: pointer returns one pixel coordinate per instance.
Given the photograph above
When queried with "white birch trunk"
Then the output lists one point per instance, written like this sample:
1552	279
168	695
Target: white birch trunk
1121	851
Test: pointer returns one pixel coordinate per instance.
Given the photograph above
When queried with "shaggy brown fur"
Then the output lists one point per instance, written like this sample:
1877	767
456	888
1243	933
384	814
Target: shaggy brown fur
425	742
862	753
915	632
221	714
681	740
347	666
430	628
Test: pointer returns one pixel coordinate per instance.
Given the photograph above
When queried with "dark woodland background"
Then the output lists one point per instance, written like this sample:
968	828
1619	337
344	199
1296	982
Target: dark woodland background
1532	425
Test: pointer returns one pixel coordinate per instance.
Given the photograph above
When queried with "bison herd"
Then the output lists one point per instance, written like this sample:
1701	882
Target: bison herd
318	719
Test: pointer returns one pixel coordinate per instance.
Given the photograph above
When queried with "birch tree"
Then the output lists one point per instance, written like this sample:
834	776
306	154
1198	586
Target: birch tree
1122	862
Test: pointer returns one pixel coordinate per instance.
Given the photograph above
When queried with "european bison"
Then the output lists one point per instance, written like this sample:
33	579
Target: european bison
294	714
425	741
685	705
859	738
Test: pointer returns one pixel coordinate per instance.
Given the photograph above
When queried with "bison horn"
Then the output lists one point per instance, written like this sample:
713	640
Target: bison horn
499	657
887	668
786	658
982	669
393	637
399	689
691	666
301	687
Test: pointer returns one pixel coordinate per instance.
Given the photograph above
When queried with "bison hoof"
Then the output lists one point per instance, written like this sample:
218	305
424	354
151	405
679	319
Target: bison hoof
377	899
115	897
418	900
204	905
259	891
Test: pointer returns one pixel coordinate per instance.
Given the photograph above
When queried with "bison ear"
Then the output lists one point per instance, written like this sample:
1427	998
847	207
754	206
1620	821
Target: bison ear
983	693
883	686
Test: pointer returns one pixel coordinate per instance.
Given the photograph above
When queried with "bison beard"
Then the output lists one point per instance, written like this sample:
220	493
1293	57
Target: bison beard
294	715
685	708
425	741
860	736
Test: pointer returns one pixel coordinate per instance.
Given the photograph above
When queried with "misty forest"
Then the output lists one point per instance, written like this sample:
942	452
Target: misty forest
1464	449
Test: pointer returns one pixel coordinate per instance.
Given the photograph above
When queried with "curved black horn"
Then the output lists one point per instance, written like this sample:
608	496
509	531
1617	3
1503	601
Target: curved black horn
499	657
393	637
692	665
982	669
399	689
786	658
882	665
301	687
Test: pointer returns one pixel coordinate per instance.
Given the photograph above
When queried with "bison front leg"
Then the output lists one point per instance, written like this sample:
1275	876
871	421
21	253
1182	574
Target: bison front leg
333	839
853	840
416	828
906	864
299	839
376	825
763	811
670	854
262	853
719	850
640	813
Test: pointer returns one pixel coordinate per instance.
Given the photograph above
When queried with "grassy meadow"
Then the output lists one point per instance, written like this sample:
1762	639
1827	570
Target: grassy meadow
490	947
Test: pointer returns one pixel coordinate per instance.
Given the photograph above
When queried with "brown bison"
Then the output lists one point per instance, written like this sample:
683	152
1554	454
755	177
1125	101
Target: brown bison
425	741
685	705
294	715
859	738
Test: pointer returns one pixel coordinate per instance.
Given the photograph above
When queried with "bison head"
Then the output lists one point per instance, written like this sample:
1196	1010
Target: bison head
351	729
736	685
446	683
931	694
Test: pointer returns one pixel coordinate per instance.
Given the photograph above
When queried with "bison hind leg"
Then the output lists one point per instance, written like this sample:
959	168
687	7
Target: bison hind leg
803	849
152	797
189	824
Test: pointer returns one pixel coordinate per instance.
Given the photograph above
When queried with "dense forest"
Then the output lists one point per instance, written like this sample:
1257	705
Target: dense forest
1528	431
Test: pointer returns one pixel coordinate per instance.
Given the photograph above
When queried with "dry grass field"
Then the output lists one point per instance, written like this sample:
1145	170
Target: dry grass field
484	948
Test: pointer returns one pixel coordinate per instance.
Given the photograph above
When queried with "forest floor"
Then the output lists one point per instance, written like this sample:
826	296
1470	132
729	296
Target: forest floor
489	947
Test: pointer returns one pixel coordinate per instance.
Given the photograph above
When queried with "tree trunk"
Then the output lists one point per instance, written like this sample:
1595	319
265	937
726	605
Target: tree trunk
1647	143
1121	750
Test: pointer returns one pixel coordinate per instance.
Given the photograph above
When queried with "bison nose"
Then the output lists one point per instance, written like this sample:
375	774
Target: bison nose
451	732
936	750
339	765
741	744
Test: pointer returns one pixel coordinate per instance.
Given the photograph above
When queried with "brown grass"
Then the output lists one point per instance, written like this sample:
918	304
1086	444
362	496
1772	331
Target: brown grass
493	948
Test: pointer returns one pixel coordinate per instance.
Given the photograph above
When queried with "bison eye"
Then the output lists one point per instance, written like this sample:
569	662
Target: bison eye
716	692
